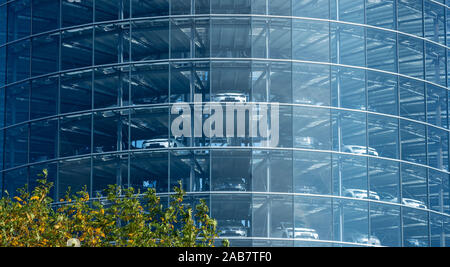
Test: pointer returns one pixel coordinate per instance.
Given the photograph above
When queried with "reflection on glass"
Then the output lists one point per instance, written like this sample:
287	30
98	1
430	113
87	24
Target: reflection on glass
108	170
149	171
43	140
231	170
74	173
312	173
415	228
233	214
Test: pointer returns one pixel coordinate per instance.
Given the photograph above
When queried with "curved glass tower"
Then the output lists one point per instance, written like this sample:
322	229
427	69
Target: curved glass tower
88	87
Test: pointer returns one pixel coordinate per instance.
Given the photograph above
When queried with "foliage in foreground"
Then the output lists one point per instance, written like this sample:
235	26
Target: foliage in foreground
124	218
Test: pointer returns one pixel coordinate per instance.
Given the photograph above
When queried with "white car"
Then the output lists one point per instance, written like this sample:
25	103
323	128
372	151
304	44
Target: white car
307	142
364	239
232	228
161	143
305	233
230	97
411	203
362	150
361	194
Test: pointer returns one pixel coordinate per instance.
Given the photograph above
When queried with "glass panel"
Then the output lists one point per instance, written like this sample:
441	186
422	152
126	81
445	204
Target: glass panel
16	146
413	142
382	93
414	186
260	36
17	103
280	215
18	61
312	219
438	190
280	7
182	34
381	50
202	6
415	228
312	128
311	84
111	87
347	44
75	135
43	140
76	12
437	105
434	22
110	131
384	178
272	171
412	99
76	91
381	13
437	230
192	168
437	148
14	180
349	132
231	170
311	41
410	16
230	7
312	9
45	15
351	222
150	8
351	11
44	97
45	58
112	43
348	87
111	9
108	170
259	7
385	224
180	7
76	50
74	173
280	42
312	173
233	214
231	82
149	128
3	26
2	66
150	40
383	136
19	19
350	177
230	37
410	56
149	171
272	82
149	84
435	64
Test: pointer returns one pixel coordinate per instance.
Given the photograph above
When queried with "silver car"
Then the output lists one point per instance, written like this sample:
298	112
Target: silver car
230	97
363	239
411	203
161	143
232	229
304	233
361	194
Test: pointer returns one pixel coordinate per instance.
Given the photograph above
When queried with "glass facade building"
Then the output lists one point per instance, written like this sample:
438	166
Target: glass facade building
87	86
